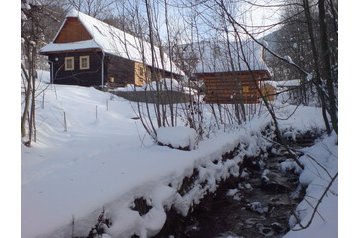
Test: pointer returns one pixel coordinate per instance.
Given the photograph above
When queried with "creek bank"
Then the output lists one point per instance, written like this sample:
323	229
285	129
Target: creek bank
249	191
257	203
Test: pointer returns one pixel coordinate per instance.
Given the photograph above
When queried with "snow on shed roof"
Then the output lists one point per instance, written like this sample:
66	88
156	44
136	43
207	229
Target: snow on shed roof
284	83
214	56
114	41
289	83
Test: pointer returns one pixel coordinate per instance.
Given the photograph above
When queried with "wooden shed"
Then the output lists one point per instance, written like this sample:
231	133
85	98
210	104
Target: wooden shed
233	87
231	74
89	52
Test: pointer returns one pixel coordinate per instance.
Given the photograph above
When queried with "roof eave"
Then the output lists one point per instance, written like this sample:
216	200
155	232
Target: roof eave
69	50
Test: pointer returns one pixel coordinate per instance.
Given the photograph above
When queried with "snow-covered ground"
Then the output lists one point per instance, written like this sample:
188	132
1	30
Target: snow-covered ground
103	159
317	179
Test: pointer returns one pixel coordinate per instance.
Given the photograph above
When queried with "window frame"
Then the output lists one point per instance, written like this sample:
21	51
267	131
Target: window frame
67	68
88	62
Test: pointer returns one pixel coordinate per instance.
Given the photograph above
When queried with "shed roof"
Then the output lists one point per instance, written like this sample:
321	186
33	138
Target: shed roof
285	83
113	41
218	56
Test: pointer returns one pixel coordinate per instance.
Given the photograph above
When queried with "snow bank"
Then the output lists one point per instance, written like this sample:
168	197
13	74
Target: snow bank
325	222
179	137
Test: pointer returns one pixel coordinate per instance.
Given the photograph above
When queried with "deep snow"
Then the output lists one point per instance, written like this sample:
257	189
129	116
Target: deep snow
107	161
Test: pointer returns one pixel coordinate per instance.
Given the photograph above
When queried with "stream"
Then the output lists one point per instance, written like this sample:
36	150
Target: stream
257	204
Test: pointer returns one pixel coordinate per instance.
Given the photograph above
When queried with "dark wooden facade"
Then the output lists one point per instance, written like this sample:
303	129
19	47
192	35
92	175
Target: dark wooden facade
233	87
83	77
120	71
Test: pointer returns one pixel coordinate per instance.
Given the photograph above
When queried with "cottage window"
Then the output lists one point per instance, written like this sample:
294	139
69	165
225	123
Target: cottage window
245	89
84	62
69	63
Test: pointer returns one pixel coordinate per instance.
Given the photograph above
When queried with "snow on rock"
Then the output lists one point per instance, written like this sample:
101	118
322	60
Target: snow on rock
179	137
232	192
289	59
290	165
309	77
258	207
154	220
163	196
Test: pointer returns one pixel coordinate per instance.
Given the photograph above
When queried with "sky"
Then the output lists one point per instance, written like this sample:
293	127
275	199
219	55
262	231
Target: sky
180	13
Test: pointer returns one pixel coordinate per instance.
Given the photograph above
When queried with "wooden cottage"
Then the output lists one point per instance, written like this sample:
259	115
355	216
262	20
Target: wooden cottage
231	75
89	52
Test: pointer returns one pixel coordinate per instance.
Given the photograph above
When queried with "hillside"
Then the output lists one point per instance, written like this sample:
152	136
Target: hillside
103	159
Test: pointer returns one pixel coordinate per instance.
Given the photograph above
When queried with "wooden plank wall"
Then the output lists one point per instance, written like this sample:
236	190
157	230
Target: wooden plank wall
87	77
226	87
72	31
121	70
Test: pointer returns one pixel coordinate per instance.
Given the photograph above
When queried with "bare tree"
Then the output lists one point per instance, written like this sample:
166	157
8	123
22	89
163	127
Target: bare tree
95	8
32	36
327	66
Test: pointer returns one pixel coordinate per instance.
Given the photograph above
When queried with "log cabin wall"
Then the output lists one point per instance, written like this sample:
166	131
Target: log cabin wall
120	71
171	75
160	74
84	77
232	87
72	31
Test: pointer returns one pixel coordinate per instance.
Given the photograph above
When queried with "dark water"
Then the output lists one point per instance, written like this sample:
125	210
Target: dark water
258	205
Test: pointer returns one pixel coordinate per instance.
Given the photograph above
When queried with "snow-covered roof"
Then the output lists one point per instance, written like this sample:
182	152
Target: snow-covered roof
113	41
289	83
77	45
284	83
214	56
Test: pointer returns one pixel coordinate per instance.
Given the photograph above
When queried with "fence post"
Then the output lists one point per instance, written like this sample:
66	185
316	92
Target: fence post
96	113
43	100
64	119
55	91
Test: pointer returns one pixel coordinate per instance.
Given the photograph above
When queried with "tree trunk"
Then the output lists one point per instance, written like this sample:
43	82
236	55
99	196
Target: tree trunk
318	81
153	73
27	101
326	69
